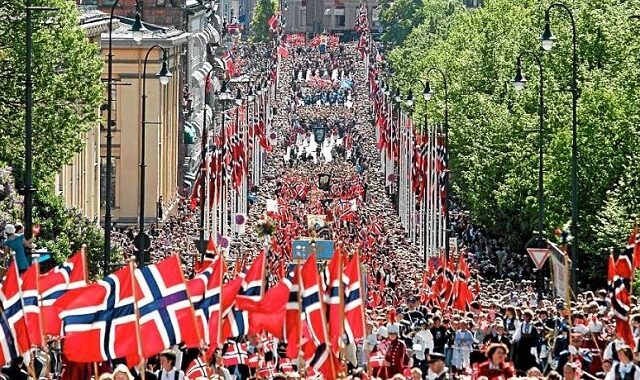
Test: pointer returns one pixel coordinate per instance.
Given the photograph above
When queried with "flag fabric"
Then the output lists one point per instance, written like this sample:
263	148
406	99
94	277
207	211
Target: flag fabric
202	296
353	300
99	321
253	282
8	348
69	275
198	368
14	309
220	308
312	300
270	313
611	270
166	316
621	306
30	301
293	314
335	300
273	23
282	50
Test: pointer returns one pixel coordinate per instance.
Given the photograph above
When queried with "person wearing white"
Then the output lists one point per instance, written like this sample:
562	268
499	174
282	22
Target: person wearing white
624	369
168	371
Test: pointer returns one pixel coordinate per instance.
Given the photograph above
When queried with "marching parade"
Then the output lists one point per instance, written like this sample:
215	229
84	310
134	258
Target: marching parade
318	239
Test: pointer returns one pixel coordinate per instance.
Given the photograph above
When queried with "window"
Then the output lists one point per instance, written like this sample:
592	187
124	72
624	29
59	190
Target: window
103	181
340	21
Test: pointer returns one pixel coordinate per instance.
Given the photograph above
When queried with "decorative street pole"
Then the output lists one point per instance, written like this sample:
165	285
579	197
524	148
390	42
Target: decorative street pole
548	39
519	83
203	169
29	189
164	76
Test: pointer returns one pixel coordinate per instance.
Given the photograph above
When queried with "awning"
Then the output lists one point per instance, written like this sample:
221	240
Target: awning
198	76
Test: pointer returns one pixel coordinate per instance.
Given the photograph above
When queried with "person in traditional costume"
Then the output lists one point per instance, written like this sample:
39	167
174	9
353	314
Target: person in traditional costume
396	357
496	366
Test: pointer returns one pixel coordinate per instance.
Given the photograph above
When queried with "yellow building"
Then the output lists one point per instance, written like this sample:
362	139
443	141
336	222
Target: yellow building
163	118
79	182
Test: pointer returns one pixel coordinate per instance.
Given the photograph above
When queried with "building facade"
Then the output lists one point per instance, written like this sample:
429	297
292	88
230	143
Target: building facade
78	183
325	16
163	118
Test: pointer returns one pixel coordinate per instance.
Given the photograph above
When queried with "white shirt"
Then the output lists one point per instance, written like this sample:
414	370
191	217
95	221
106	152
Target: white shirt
622	369
171	375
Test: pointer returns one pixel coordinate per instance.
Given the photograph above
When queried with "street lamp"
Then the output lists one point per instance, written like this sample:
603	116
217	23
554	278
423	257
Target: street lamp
519	82
108	166
164	75
409	100
427	93
548	39
138	29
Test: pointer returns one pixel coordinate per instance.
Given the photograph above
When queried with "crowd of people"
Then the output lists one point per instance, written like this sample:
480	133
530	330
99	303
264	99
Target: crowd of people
511	329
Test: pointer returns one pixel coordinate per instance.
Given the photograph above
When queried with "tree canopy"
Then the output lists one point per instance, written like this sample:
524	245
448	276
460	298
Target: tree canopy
493	128
259	28
66	83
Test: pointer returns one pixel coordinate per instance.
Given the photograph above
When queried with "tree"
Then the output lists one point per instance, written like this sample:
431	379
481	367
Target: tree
67	95
67	86
493	136
259	27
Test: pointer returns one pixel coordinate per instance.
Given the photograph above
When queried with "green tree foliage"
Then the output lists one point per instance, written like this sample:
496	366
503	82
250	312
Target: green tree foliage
398	19
67	96
259	28
493	133
67	87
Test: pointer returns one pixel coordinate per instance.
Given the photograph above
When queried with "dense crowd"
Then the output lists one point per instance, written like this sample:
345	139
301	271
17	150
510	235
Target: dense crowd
511	329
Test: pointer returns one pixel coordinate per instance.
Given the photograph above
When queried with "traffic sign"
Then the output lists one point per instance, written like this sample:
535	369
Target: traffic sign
539	256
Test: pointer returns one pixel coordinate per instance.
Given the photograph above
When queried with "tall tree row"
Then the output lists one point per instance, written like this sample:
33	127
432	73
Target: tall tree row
493	132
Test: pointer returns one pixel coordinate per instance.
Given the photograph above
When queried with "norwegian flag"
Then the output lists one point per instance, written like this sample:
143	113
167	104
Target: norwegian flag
198	368
210	255
236	322
621	306
268	314
227	58
30	301
166	316
441	168
202	296
99	322
362	21
69	275
353	300
325	362
376	359
234	353
334	299
266	369
14	308
293	314
8	348
282	50
274	23
312	302
220	308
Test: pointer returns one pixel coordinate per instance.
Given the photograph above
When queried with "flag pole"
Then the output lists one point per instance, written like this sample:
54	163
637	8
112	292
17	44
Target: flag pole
132	270
301	364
